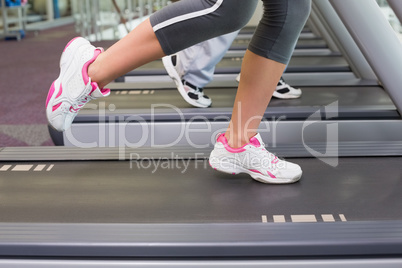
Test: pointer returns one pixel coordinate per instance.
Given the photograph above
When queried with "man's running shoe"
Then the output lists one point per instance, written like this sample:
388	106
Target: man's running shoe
192	94
73	88
254	160
286	91
283	90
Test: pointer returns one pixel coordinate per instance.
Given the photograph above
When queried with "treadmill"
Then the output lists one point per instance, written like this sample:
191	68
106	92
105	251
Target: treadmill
327	63
364	117
305	59
110	207
321	69
297	128
72	207
326	66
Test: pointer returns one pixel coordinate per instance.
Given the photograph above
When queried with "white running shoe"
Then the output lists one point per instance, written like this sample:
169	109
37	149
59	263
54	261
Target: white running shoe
73	88
254	160
283	90
286	91
192	94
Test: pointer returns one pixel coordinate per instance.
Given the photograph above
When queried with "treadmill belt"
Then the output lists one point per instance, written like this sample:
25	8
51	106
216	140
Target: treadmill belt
177	190
362	116
334	63
130	210
224	97
362	102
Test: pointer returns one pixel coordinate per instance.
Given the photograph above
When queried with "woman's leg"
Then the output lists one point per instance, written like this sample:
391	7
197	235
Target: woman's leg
85	70
263	65
168	31
241	149
259	78
139	47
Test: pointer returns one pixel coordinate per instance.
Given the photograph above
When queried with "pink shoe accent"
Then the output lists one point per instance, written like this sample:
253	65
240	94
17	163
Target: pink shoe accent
74	110
86	65
56	106
94	86
255	142
224	141
105	91
255	171
69	43
269	173
60	91
50	93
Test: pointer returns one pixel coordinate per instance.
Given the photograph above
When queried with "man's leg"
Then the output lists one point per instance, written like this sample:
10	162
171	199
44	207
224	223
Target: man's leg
193	68
198	62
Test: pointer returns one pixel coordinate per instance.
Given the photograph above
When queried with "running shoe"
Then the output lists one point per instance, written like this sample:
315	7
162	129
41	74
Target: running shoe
254	160
283	90
73	88
286	91
191	93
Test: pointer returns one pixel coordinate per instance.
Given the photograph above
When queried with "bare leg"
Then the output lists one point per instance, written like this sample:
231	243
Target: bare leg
139	47
259	78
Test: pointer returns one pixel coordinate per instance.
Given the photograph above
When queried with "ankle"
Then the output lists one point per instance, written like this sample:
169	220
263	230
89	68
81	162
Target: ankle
235	142
94	74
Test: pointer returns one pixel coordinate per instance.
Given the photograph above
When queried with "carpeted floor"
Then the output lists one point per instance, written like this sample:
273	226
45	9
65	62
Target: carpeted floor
27	69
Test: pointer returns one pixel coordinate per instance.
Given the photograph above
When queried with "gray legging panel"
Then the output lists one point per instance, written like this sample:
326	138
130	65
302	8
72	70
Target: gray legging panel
189	22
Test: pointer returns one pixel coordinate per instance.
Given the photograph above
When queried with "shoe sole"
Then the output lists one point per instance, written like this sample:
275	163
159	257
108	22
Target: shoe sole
170	69
68	53
259	177
285	96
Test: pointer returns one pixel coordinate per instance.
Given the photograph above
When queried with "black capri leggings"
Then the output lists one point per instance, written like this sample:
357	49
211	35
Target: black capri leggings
188	22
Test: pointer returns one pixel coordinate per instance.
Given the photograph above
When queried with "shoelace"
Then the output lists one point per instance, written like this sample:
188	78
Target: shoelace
273	158
197	90
282	84
75	107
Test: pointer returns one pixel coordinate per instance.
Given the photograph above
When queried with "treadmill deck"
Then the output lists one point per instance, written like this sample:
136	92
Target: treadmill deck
170	188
